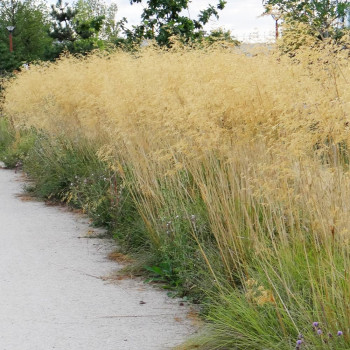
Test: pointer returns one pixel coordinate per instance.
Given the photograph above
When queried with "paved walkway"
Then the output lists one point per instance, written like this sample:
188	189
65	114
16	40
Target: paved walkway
51	292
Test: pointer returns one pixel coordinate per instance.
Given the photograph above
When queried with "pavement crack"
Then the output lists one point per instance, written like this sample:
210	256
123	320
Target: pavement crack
136	316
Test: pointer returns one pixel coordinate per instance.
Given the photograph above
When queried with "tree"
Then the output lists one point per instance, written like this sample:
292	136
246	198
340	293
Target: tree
76	29
90	10
162	19
8	61
326	18
62	29
30	36
221	36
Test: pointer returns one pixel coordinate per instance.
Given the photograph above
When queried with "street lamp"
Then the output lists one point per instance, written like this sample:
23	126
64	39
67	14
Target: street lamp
10	29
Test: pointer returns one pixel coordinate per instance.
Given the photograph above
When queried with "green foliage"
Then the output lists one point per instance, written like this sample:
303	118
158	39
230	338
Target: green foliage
14	146
30	36
325	18
89	28
175	258
163	273
7	136
162	20
40	35
91	10
221	36
278	303
238	324
78	29
8	60
62	26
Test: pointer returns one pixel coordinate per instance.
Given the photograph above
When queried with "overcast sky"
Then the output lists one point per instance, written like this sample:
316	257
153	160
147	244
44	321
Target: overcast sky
242	17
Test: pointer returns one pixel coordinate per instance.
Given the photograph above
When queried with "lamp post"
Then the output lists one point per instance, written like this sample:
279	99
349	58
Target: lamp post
10	29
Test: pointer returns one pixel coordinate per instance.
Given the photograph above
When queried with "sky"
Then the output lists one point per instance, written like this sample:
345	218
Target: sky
242	17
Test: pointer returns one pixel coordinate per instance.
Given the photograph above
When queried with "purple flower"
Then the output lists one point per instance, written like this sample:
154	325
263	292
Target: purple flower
319	331
340	333
315	324
299	342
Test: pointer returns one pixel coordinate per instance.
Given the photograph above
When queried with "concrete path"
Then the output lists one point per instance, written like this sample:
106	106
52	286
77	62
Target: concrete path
52	295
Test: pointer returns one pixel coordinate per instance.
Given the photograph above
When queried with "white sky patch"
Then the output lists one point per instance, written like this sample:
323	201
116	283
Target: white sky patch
242	17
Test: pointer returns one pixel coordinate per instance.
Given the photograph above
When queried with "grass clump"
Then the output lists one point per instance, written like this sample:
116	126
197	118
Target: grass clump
14	145
229	170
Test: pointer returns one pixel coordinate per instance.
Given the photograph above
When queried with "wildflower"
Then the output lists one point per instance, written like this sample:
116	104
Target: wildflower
319	331
339	333
315	324
299	342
